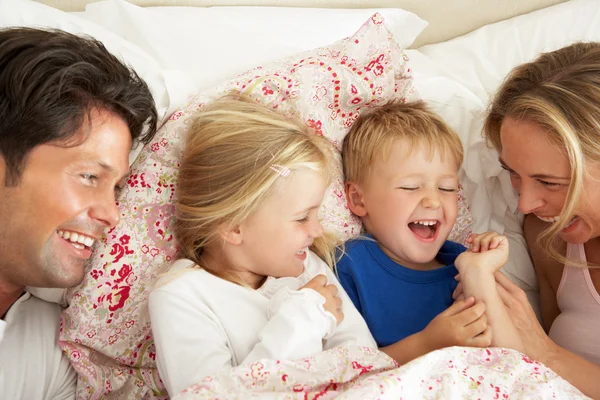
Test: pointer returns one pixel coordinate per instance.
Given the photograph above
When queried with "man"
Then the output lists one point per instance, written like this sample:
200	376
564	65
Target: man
69	112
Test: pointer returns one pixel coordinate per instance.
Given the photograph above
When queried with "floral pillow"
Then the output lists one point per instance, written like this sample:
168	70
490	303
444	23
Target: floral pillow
106	330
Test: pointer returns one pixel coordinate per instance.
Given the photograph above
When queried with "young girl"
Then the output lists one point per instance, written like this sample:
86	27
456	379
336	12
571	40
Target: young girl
251	284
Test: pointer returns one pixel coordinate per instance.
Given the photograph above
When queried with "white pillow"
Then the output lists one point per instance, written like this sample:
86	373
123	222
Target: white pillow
460	75
164	84
215	44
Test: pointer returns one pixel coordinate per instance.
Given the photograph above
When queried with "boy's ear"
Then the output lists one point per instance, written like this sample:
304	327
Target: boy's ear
354	196
231	234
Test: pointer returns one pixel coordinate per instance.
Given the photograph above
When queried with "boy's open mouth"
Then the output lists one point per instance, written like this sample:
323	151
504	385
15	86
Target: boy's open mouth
425	229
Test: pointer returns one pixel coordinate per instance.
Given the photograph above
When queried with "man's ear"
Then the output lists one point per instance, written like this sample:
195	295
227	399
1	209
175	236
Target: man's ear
354	196
231	234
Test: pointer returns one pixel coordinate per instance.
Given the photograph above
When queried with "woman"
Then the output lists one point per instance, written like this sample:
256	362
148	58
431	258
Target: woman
545	123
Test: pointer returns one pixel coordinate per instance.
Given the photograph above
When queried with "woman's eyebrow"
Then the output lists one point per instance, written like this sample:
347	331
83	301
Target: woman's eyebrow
537	176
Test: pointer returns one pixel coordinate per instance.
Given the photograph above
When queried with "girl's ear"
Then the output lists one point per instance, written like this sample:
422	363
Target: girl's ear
232	234
355	199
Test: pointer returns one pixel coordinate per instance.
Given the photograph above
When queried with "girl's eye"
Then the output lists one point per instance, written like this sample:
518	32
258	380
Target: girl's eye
303	220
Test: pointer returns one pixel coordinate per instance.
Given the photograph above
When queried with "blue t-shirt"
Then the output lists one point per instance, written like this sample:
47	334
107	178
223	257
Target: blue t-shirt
396	301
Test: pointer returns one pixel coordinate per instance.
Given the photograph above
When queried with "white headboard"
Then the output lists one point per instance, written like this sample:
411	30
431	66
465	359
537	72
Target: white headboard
447	18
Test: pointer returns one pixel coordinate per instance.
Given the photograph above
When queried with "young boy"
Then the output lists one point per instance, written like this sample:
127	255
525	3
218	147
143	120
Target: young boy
401	166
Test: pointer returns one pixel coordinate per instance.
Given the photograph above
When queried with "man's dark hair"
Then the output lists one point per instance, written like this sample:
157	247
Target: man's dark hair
51	80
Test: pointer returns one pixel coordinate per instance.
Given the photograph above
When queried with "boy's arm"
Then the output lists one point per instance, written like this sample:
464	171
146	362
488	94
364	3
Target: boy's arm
461	324
408	349
482	285
489	251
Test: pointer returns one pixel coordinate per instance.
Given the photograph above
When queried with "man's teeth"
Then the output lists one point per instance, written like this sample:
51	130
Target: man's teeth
425	222
76	239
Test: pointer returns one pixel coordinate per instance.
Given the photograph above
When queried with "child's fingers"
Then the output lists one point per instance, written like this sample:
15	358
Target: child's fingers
485	240
458	306
458	291
484	339
470	314
496	241
476	327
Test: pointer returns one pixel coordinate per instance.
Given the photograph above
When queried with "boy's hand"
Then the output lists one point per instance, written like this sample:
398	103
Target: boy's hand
462	324
333	303
488	252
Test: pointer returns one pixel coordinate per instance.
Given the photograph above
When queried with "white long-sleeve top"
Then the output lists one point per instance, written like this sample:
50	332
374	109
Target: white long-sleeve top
202	323
32	366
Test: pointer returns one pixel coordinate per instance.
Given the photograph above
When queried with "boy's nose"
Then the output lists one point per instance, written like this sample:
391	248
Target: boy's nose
430	201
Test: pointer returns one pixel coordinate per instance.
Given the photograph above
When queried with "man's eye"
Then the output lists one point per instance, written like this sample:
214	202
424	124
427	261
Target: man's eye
89	177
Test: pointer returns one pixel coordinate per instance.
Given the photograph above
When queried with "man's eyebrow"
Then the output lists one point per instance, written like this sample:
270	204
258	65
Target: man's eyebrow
536	176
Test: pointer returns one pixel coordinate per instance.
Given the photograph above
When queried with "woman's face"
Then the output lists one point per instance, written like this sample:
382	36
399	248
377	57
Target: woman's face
540	173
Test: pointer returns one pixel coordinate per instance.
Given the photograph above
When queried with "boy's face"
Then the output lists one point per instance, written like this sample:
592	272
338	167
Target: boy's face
409	202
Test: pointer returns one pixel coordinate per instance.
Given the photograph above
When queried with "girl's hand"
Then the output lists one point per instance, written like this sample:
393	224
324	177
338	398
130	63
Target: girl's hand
333	303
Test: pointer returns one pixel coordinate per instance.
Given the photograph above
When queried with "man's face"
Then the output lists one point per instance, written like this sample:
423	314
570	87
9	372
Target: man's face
64	201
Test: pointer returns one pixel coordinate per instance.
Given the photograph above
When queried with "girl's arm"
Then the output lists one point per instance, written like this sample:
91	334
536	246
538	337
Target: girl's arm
192	343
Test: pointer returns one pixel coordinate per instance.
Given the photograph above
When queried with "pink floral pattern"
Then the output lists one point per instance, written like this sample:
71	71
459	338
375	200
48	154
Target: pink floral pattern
361	373
106	329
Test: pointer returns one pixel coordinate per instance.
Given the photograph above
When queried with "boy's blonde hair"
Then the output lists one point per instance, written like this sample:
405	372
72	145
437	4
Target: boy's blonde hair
372	135
560	92
226	172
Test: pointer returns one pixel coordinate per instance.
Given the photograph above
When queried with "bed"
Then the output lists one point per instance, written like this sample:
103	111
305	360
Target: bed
453	54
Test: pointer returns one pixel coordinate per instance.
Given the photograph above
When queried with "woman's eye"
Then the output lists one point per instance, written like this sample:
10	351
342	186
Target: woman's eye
549	184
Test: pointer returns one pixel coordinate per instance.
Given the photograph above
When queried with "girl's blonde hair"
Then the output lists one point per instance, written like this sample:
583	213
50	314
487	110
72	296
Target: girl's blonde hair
560	92
226	172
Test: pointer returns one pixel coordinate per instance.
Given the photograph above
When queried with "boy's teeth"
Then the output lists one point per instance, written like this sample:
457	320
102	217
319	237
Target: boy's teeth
426	222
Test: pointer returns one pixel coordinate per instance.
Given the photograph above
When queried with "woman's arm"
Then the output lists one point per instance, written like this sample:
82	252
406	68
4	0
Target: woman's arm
581	373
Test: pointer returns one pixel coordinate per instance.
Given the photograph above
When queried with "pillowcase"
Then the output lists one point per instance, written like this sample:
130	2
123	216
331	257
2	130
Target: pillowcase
106	330
165	85
230	40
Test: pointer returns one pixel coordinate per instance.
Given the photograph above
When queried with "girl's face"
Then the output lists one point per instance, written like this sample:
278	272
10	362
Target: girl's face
276	237
540	173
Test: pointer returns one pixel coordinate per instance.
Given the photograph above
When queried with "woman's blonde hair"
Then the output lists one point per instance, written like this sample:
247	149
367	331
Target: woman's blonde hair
226	172
372	135
560	92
